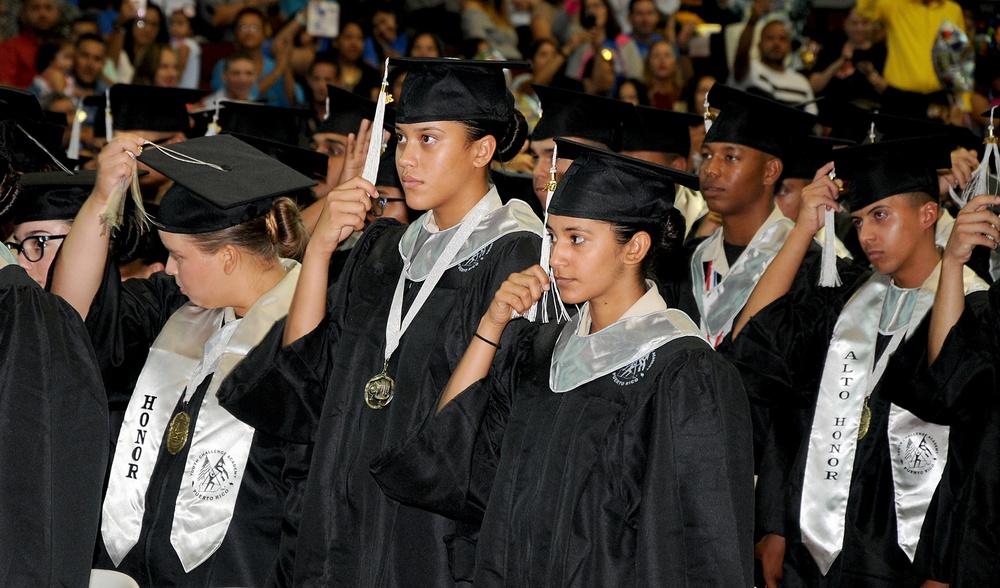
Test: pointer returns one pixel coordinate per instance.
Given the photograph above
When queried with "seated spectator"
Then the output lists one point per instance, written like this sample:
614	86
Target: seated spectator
601	49
188	50
239	76
356	75
88	65
129	43
157	67
39	23
664	79
386	40
82	25
852	68
274	83
216	17
645	20
769	73
633	91
54	64
322	73
425	45
483	22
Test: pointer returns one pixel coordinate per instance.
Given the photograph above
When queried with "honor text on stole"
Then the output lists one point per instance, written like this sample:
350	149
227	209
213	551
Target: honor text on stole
140	436
834	461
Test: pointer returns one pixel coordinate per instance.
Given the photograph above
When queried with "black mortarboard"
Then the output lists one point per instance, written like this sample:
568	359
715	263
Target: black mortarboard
146	108
219	182
347	110
19	104
606	186
388	175
305	161
455	89
887	168
274	123
31	156
52	195
890	127
811	154
574	114
665	131
757	122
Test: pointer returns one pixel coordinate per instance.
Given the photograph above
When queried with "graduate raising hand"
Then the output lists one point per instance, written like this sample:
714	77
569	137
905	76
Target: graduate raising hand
975	226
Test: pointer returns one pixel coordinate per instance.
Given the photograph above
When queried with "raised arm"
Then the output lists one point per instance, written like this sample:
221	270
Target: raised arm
741	62
517	294
777	279
80	267
976	225
343	211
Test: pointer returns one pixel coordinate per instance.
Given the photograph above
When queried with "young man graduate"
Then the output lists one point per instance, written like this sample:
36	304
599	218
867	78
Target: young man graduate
861	490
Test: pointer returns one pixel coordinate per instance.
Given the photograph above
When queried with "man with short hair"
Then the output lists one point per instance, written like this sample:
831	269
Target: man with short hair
645	19
40	20
239	76
88	63
769	73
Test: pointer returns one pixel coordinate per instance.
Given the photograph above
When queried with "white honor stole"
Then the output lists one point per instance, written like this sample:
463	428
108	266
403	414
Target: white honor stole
190	346
719	304
919	449
6	257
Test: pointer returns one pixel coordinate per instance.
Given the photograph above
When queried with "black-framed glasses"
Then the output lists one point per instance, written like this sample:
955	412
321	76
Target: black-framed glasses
378	205
33	248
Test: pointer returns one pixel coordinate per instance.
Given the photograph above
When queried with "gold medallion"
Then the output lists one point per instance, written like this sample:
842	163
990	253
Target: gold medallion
866	419
178	435
378	390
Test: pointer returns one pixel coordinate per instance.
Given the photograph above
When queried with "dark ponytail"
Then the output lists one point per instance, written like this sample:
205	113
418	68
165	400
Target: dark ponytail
510	136
665	262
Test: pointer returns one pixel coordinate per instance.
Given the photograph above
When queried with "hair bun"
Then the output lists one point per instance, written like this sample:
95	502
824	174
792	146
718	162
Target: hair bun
513	138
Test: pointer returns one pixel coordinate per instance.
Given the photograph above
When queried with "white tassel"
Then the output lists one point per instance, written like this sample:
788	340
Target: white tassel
114	213
109	127
543	261
54	159
73	151
709	117
829	277
375	143
326	114
979	182
213	127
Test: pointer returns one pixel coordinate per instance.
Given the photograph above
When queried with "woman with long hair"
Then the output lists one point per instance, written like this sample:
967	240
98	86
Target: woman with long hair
617	451
599	54
358	363
137	34
195	496
664	78
158	67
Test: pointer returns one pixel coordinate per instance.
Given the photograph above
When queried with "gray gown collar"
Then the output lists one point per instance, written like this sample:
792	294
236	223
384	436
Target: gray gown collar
577	360
421	244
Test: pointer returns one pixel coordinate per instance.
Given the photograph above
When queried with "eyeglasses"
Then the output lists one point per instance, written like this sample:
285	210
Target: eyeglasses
33	248
378	205
249	28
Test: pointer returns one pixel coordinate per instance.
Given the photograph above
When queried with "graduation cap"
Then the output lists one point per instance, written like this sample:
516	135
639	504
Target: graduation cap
345	111
455	89
757	122
665	131
52	195
19	104
305	161
811	154
274	123
388	175
887	168
37	145
144	108
574	114
219	182
606	186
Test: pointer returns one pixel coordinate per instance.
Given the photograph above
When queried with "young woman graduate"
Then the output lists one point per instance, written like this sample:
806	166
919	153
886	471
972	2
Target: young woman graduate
195	496
618	452
363	361
53	442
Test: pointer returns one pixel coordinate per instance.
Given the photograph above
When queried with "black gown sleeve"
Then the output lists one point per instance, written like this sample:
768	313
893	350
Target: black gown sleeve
449	465
53	438
280	390
699	446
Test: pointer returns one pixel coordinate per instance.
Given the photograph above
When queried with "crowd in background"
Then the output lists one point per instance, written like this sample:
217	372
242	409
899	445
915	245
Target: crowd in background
662	53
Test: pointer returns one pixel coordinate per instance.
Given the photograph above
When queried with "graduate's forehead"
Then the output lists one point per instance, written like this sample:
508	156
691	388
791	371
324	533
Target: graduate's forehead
907	201
558	223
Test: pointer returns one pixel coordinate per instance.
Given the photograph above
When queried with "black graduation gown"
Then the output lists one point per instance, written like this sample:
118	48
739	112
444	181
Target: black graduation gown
353	535
124	320
780	355
960	387
53	438
639	482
